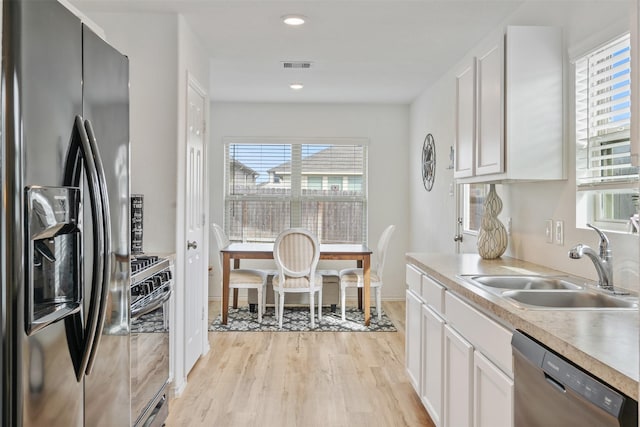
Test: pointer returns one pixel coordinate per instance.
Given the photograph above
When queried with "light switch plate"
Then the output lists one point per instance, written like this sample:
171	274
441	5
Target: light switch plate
560	232
548	230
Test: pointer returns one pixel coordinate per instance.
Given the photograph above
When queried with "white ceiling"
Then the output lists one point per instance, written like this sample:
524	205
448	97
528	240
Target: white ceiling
382	51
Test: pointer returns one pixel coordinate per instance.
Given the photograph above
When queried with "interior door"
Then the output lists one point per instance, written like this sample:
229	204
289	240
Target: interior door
195	264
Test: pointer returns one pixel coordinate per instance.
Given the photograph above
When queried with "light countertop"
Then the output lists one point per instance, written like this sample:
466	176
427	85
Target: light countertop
604	343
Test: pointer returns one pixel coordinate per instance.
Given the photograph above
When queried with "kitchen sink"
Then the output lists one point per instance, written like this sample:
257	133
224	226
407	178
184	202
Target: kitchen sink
535	292
570	299
524	282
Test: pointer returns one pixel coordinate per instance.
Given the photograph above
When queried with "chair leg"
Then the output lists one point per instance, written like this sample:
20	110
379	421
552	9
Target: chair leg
276	306
260	303
379	303
320	305
311	309
264	300
281	310
343	301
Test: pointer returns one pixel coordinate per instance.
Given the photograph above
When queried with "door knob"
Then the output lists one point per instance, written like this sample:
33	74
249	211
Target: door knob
192	245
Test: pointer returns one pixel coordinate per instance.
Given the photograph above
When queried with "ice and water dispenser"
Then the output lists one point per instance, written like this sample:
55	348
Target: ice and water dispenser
53	240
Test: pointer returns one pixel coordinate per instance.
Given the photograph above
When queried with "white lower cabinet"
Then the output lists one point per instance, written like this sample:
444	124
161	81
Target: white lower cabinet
492	396
413	345
457	358
458	379
432	351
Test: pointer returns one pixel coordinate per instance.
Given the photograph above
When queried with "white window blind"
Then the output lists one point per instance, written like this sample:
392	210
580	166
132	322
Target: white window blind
270	187
603	117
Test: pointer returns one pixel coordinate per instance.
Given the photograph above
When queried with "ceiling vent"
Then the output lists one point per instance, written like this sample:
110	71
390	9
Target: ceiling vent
296	64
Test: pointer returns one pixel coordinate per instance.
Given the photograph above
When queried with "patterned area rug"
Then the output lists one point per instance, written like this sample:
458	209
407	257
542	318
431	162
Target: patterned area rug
296	319
148	323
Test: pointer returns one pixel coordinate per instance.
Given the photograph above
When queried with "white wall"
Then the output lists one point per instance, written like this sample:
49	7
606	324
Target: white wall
584	24
386	127
163	53
192	66
433	213
150	41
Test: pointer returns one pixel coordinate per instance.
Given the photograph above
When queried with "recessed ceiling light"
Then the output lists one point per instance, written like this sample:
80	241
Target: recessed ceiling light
294	20
296	86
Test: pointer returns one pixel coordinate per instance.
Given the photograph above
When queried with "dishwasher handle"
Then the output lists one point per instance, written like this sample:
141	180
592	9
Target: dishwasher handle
555	383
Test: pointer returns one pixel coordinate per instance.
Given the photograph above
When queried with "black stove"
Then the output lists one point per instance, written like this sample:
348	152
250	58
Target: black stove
140	262
151	290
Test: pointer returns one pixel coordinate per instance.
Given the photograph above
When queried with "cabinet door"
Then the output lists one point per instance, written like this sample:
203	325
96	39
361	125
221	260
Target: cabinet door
413	344
465	121
458	380
489	156
432	360
493	394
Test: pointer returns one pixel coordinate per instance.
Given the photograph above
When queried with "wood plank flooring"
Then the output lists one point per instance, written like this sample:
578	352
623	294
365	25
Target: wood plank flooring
292	379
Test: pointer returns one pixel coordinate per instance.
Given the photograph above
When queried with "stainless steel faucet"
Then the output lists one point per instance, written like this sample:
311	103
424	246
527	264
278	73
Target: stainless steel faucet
603	260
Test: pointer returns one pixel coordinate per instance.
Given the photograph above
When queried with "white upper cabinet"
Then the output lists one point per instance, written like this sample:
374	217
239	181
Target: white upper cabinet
489	117
465	121
516	104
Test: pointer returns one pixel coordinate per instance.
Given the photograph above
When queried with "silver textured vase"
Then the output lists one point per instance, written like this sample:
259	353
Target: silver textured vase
492	239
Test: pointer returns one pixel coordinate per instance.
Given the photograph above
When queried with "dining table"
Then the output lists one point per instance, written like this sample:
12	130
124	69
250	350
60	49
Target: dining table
330	251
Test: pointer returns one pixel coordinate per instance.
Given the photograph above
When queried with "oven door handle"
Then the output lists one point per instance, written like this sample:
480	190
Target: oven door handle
153	305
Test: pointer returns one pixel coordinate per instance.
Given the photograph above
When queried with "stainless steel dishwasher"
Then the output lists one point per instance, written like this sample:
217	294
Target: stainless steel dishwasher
552	392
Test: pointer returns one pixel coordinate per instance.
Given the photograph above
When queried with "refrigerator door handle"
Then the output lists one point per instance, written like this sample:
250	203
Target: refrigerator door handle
106	265
79	338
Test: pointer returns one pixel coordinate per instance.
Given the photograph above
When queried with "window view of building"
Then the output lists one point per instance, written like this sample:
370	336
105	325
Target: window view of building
607	182
474	195
271	187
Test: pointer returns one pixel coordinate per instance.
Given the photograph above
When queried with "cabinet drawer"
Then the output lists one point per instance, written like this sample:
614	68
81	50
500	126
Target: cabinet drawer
433	294
414	278
491	338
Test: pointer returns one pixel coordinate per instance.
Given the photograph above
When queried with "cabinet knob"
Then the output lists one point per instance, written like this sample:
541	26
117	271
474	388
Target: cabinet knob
192	245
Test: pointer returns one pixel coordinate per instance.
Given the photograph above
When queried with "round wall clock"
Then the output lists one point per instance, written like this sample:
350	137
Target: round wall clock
428	162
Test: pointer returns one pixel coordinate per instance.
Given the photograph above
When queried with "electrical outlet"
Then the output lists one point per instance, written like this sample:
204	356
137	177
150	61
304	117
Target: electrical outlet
560	232
548	230
509	224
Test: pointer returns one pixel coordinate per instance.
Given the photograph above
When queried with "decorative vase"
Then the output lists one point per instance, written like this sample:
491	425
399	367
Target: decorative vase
492	239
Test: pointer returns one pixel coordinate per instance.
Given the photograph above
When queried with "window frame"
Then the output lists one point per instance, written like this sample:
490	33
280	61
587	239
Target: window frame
467	207
592	189
297	197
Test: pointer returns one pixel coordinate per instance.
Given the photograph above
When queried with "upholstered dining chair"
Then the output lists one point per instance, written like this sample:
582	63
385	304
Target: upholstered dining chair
296	253
354	277
242	278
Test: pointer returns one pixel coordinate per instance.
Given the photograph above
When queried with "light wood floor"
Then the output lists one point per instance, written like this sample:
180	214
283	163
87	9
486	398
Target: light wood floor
290	379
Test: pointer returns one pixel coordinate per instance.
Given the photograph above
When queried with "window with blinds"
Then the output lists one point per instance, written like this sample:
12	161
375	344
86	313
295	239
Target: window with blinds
603	149
270	187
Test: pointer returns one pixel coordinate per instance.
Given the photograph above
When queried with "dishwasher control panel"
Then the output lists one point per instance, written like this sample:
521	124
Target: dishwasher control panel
580	382
550	390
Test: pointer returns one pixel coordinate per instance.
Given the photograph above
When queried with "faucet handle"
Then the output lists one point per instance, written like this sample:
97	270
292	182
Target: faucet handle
604	241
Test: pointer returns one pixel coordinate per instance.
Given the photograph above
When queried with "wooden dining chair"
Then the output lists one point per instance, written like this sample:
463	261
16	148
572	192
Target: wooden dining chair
354	277
296	253
242	278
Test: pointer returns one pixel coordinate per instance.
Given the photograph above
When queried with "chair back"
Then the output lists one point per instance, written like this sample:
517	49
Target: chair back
296	253
222	241
383	244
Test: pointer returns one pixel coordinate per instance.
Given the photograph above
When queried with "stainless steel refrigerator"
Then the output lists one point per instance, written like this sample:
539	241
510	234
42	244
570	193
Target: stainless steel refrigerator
65	224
